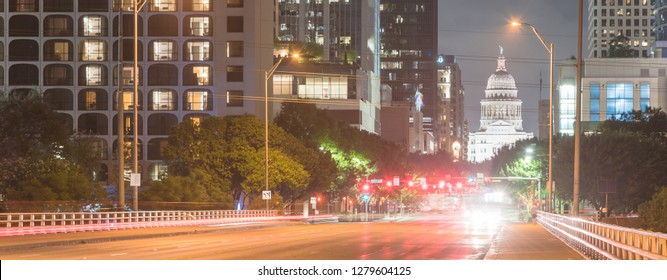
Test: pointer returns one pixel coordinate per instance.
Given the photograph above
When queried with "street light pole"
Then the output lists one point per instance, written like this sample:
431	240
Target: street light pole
577	119
267	76
549	46
138	5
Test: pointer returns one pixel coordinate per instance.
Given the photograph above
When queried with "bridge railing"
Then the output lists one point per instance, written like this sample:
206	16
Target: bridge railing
601	241
37	223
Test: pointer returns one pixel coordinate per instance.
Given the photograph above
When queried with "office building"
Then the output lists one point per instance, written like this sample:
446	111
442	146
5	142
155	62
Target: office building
196	58
632	19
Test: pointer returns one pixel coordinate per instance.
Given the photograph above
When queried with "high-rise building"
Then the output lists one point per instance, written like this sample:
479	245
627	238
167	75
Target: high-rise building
348	32
632	19
334	24
660	28
451	93
197	58
408	45
501	123
611	87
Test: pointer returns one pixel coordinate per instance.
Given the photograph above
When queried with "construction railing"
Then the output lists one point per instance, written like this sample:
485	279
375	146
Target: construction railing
601	241
40	223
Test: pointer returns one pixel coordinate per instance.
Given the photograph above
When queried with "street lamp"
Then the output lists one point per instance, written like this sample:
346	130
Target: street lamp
267	76
550	49
138	5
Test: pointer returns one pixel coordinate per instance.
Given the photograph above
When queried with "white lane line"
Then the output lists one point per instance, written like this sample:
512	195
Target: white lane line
120	254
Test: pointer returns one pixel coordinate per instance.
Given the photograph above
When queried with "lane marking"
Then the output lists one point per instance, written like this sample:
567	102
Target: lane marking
120	254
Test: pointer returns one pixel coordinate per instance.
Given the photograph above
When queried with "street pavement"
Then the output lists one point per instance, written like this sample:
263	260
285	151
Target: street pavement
515	241
528	241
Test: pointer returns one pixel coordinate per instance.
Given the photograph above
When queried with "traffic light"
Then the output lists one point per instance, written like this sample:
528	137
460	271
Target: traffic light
366	187
365	197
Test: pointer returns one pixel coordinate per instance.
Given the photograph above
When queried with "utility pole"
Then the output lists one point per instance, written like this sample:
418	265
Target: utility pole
121	118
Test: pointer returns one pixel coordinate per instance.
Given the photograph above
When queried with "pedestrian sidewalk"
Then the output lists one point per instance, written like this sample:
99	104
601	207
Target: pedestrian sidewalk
528	241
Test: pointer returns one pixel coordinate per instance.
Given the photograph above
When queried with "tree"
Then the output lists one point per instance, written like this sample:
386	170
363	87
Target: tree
620	47
634	161
649	121
231	151
40	157
653	212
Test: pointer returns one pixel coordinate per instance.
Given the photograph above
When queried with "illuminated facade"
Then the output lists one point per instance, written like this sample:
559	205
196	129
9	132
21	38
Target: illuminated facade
197	58
633	19
612	87
501	123
408	45
661	28
451	93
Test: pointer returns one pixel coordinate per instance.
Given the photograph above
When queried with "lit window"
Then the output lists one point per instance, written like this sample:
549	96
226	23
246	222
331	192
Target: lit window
234	3
201	5
162	5
197	51
197	100
94	75
93	26
93	50
199	26
163	51
162	100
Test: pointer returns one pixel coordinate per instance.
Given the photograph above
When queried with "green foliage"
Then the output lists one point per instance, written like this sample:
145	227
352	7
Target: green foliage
195	187
231	150
40	158
654	212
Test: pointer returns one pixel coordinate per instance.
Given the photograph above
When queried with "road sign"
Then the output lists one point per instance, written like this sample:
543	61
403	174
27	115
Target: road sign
313	200
397	181
480	175
266	195
135	179
376	181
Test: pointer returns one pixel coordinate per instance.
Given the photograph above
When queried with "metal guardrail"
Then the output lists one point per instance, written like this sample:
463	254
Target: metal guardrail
600	241
40	223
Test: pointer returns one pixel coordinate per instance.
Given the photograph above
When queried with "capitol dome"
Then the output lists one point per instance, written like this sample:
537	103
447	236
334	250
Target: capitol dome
501	79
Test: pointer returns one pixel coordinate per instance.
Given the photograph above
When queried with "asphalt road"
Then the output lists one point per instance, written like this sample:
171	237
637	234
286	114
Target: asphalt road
448	236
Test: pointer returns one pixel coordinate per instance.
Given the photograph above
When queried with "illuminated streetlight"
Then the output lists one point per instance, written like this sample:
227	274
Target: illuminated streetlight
267	76
550	49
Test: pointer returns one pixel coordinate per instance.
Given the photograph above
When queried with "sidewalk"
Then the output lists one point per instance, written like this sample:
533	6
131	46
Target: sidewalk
528	241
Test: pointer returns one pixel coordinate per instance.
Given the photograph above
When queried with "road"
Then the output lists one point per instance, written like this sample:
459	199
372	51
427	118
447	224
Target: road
448	236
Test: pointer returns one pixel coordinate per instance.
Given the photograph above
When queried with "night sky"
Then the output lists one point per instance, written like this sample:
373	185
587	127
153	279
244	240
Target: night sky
472	30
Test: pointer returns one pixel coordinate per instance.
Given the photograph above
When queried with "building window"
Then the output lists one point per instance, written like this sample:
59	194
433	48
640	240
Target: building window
644	96
156	146
234	98
163	25
619	99
234	24
92	99
58	50
235	73
93	6
197	51
23	26
161	123
234	3
162	5
157	171
93	123
198	5
282	84
128	50
127	75
127	5
93	50
23	75
58	75
163	75
162	50
92	26
59	98
197	100
93	75
162	100
24	6
595	102
128	100
234	48
58	26
197	75
197	26
2	79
